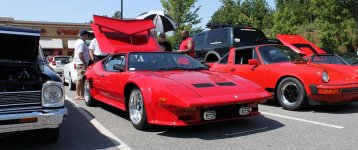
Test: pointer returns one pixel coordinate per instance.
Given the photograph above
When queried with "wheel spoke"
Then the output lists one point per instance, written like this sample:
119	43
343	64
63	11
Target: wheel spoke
136	106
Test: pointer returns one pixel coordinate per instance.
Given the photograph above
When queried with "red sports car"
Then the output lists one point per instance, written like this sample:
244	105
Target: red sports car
159	87
292	80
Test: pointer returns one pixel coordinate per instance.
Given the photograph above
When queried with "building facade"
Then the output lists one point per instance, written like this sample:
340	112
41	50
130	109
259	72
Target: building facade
57	38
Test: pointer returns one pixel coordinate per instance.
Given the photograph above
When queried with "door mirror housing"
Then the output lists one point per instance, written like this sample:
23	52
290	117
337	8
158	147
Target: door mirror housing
254	62
118	67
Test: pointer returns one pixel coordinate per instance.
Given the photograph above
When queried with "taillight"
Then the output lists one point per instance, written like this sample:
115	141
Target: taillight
54	63
74	65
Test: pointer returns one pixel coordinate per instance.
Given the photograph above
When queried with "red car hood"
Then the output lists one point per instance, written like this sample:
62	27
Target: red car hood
299	44
115	35
206	83
345	72
338	74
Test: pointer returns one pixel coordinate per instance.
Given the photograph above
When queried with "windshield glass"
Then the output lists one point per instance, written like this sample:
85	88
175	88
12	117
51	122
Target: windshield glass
327	59
275	54
351	58
162	61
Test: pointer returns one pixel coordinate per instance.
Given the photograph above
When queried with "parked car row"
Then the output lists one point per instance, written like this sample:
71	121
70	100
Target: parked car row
166	88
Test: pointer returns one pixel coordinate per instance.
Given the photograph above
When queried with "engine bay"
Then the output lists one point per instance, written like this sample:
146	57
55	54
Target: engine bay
19	78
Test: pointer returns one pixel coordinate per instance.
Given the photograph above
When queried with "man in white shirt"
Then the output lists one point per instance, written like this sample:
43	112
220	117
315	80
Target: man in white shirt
81	58
95	52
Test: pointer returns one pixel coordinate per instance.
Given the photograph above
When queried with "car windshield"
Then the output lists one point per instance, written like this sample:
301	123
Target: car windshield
162	61
326	59
351	58
276	54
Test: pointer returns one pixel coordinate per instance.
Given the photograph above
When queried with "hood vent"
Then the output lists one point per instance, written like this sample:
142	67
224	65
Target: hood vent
225	84
203	85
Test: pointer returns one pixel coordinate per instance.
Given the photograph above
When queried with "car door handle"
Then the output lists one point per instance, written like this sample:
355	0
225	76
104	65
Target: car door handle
232	69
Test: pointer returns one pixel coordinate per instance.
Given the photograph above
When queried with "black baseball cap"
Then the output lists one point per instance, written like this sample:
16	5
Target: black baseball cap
84	32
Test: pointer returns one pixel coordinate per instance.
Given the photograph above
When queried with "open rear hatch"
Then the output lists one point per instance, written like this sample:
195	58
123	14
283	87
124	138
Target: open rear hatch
115	35
299	44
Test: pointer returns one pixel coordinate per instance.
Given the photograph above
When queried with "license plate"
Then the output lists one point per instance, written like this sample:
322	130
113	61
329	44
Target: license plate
244	111
209	115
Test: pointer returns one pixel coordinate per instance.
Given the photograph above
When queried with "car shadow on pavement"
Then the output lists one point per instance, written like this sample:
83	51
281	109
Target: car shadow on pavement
336	109
221	130
76	132
349	108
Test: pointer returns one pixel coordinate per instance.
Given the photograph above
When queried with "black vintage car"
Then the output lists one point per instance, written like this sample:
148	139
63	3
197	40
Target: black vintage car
31	94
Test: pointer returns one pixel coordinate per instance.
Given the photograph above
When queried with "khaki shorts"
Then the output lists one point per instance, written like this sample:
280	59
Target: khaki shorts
81	69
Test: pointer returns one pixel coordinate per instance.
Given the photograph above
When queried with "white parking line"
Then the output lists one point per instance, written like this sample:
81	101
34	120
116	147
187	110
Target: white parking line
115	140
303	120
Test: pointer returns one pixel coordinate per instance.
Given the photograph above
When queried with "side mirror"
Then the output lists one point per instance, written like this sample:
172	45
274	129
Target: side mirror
254	62
118	67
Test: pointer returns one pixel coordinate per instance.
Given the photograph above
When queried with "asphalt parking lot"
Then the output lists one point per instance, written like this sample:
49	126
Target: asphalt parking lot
104	127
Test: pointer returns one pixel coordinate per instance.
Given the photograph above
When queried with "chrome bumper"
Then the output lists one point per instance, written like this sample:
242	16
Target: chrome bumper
46	118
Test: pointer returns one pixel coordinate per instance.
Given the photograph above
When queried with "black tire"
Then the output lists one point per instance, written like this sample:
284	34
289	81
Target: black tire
143	123
211	58
49	135
291	94
89	100
71	85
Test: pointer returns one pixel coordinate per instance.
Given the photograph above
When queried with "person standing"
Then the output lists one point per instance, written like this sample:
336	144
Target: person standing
166	46
81	58
187	44
95	52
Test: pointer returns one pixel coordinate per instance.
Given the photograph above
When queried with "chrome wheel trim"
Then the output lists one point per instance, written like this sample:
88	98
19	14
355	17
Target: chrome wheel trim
290	93
86	91
136	106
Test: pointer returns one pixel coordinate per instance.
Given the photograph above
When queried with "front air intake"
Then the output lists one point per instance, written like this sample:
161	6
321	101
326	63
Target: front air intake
203	85
225	84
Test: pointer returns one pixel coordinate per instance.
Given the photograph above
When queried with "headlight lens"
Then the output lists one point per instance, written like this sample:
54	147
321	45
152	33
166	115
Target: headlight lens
325	76
52	94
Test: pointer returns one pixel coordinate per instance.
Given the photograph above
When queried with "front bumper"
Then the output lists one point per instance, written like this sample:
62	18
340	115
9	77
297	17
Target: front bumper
46	118
337	93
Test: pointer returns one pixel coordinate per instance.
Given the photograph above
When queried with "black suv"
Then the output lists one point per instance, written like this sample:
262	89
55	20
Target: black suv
31	93
213	44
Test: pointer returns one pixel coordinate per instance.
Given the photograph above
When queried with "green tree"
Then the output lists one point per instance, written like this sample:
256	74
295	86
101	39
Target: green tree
335	22
117	14
292	16
258	11
230	13
184	13
255	13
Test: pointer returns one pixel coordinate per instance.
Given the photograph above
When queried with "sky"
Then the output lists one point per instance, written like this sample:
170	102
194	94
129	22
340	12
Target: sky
80	11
